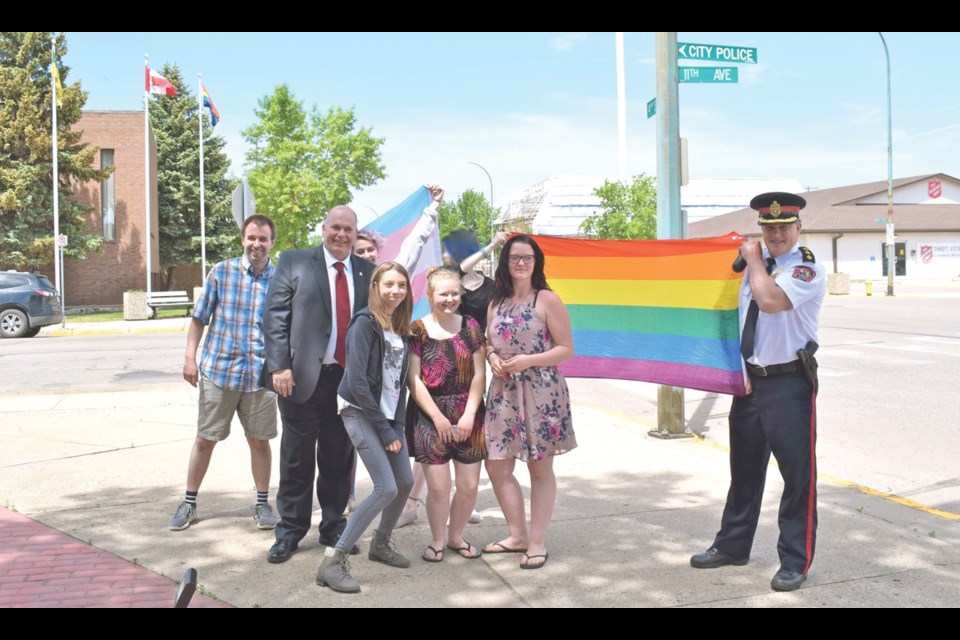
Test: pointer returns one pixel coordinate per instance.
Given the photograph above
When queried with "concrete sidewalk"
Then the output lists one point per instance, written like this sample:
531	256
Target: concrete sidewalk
95	477
107	469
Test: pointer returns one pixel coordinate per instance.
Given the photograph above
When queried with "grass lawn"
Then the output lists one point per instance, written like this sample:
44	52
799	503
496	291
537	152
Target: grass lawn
108	316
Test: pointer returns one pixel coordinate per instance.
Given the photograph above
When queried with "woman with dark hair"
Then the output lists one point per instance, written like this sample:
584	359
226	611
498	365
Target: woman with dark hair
371	399
528	404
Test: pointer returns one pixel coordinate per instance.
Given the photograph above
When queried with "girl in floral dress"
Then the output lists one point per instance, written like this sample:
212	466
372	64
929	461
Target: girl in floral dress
528	404
445	419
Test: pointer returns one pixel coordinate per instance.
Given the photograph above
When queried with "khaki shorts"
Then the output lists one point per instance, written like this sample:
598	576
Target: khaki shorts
257	411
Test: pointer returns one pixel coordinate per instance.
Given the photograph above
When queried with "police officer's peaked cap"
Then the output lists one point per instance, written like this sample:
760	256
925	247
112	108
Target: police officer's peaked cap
778	207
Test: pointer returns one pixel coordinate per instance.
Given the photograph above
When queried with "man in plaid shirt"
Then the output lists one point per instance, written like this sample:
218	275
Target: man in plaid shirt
231	307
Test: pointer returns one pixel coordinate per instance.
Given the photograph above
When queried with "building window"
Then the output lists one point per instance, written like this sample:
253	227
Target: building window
108	196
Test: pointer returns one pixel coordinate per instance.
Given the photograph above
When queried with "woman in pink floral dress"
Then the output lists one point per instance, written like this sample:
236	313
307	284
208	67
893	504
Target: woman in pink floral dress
528	404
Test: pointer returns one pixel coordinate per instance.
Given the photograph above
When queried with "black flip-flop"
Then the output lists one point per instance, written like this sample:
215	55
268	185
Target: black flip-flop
437	554
525	561
499	547
466	548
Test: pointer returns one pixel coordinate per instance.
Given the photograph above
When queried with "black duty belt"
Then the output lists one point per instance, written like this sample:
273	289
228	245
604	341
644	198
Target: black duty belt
773	369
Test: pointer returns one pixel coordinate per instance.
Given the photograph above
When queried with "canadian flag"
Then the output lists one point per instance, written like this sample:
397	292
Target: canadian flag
156	83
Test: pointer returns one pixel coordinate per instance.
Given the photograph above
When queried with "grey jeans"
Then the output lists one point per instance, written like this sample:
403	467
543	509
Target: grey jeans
391	475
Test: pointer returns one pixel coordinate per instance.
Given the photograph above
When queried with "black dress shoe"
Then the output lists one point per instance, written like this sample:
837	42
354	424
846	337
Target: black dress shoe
787	580
281	551
328	541
713	558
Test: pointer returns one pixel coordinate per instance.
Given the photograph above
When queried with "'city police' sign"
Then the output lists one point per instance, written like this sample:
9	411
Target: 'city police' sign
716	52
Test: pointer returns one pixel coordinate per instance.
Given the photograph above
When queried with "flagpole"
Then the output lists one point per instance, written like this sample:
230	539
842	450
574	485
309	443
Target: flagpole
146	163
203	224
55	152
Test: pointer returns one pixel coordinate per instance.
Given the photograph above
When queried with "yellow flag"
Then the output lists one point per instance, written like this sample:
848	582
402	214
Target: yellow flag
56	79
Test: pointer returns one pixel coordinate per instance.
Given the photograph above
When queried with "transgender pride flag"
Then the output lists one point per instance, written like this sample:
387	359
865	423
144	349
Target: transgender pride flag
662	311
395	225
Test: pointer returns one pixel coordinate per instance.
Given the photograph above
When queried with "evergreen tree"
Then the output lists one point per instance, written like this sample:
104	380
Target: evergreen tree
175	127
629	211
301	165
26	165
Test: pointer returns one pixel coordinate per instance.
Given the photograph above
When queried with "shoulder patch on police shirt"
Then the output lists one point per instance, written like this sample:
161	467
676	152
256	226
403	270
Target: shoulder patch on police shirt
804	273
807	255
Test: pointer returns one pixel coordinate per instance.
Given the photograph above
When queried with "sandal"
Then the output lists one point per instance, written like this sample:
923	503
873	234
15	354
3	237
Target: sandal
467	551
499	547
525	561
437	554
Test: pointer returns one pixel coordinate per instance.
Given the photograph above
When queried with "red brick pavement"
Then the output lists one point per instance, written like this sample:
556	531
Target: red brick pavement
43	567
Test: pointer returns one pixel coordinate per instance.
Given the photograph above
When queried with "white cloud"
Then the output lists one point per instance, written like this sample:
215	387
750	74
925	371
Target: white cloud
566	41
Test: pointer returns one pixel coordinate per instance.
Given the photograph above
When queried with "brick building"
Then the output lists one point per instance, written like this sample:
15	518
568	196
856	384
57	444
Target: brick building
117	213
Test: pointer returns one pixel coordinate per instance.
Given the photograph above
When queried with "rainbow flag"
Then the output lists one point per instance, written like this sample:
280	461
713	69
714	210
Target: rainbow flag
208	103
395	225
662	311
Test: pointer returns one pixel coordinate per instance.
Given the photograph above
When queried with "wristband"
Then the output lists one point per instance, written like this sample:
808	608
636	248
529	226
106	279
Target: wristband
485	253
492	353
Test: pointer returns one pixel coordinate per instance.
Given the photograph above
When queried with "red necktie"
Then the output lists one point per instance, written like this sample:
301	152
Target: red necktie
343	315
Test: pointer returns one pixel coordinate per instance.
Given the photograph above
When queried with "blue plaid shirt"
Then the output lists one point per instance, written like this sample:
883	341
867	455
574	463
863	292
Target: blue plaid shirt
231	308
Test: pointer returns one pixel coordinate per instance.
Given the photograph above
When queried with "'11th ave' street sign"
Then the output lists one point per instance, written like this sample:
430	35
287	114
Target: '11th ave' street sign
709	74
716	52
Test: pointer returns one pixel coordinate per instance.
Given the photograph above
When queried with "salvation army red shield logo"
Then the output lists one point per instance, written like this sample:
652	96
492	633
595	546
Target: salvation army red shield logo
934	189
926	253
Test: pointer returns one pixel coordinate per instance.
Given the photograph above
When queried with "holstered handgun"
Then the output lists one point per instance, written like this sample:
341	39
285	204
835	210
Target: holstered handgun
808	363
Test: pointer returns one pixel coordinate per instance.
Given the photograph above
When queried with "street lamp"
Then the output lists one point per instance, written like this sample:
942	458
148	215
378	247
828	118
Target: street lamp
890	235
491	193
488	178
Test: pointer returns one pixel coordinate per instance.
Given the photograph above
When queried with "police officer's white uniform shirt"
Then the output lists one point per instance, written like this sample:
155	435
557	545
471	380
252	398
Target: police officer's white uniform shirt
780	335
332	279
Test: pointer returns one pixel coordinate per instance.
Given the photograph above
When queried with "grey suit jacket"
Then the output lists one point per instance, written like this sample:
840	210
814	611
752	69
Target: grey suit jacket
298	318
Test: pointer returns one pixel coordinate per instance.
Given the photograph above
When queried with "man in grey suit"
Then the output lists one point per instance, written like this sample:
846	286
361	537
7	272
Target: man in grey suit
304	332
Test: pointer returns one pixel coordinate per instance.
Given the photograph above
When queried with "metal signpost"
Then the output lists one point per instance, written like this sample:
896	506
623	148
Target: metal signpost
62	242
670	222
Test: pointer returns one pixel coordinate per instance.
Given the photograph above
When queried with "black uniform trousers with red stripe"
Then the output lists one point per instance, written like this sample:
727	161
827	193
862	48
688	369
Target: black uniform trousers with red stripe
779	416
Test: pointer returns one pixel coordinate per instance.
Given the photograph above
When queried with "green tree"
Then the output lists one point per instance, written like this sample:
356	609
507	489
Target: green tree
470	211
629	211
301	165
26	164
174	121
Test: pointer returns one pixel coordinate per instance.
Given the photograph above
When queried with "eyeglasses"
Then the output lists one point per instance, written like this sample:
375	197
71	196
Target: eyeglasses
523	259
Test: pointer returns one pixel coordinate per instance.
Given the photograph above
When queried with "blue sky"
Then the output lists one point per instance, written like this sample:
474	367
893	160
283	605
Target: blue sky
527	106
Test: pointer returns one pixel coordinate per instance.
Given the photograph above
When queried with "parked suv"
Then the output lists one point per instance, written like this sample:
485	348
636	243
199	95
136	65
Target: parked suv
28	301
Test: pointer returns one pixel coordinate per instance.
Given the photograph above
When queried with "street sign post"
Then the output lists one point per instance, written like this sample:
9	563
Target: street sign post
709	74
716	52
651	108
244	204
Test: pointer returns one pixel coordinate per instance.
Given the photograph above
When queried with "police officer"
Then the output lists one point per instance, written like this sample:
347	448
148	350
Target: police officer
780	300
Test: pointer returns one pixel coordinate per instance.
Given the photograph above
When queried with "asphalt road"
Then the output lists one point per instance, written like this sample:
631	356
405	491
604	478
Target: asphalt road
888	403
